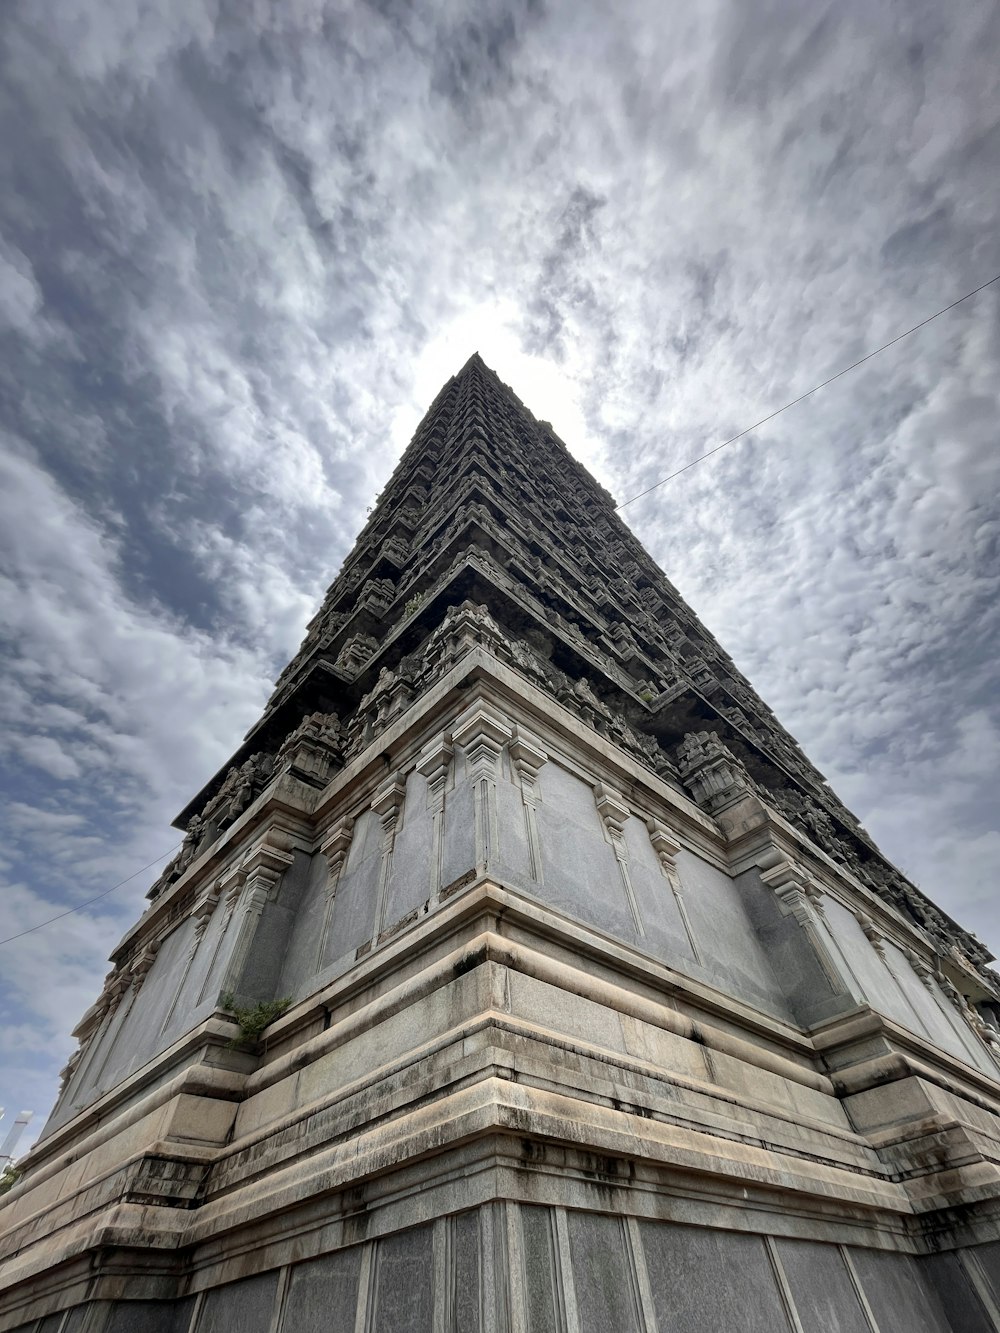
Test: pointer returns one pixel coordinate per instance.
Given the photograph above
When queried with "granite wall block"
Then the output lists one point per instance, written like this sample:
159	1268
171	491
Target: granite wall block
402	1290
821	1287
323	1294
246	1306
901	1300
703	1279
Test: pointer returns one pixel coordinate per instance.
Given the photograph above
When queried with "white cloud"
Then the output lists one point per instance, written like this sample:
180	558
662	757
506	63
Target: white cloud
143	709
45	752
20	295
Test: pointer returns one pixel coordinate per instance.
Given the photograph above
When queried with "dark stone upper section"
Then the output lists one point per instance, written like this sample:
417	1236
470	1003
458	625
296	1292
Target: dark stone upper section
487	505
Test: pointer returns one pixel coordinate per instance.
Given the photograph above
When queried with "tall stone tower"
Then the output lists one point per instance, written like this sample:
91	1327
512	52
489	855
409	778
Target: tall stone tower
519	974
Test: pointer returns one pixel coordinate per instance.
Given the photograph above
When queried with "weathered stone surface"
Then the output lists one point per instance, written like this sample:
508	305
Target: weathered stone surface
821	1287
239	1307
899	1298
710	1279
323	1293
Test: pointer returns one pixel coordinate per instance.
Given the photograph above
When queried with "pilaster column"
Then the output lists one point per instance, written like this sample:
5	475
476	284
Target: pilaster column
980	1027
139	968
871	933
434	763
201	914
527	758
482	733
94	1026
614	812
877	940
128	987
263	867
334	848
387	803
666	847
226	891
922	969
802	899
972	1020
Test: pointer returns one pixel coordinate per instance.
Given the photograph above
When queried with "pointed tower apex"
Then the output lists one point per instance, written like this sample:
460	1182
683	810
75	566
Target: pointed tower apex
475	362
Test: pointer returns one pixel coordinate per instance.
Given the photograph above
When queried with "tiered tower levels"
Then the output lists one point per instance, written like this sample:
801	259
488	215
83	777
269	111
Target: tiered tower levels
519	973
487	504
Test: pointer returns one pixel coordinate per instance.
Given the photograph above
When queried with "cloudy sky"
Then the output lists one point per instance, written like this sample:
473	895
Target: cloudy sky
242	245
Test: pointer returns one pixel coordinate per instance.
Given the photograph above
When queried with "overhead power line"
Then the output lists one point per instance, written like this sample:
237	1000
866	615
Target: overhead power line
809	392
96	898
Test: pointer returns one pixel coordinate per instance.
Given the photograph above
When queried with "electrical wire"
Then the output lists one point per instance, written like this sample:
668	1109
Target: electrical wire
96	898
809	392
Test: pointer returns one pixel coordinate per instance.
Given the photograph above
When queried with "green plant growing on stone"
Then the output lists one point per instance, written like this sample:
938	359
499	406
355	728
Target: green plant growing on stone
646	696
253	1020
412	604
9	1178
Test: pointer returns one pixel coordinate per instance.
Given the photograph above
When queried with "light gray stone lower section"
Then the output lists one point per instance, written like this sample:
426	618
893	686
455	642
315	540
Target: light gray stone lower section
570	1271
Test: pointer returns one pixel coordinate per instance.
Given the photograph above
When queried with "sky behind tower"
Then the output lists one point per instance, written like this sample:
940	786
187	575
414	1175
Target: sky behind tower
242	245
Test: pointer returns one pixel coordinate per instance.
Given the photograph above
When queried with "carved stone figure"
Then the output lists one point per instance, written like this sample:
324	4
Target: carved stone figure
711	772
241	784
356	651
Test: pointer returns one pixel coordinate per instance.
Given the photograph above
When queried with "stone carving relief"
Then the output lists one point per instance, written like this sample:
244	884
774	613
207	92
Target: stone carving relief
388	697
614	815
313	751
351	579
468	626
242	784
711	772
320	633
315	729
396	550
810	816
376	596
193	836
356	652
